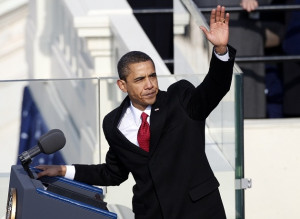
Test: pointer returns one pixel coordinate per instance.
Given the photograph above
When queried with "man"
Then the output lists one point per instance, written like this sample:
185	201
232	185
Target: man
173	177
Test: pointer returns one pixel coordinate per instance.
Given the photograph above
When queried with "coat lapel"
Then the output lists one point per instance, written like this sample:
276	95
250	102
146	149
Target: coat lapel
126	143
157	120
124	105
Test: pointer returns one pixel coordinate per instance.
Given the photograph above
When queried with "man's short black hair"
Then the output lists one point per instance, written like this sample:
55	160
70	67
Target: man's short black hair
131	58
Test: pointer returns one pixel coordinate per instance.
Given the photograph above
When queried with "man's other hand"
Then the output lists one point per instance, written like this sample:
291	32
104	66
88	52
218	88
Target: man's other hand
51	170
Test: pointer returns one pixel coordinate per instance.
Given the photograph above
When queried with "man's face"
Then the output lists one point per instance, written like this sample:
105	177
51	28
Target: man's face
141	84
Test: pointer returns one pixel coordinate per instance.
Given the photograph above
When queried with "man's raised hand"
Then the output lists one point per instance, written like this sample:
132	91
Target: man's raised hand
218	34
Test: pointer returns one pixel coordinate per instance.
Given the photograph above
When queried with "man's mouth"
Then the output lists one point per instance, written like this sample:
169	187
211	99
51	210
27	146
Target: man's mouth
151	94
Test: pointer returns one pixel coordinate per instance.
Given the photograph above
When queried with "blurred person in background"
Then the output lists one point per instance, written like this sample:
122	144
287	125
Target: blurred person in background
249	34
291	70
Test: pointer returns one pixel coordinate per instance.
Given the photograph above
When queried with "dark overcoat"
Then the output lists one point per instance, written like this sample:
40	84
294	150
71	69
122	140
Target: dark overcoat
174	180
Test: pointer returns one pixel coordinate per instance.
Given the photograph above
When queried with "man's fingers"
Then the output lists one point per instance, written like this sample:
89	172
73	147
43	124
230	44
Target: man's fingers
47	170
212	17
205	31
218	14
44	171
227	17
40	167
222	13
40	174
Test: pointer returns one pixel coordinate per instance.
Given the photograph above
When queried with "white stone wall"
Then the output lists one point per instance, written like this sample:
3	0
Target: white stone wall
272	160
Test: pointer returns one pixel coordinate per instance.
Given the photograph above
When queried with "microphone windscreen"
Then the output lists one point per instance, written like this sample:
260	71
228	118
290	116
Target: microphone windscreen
52	141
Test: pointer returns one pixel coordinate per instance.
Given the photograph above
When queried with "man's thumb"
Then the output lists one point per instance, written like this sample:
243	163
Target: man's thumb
205	31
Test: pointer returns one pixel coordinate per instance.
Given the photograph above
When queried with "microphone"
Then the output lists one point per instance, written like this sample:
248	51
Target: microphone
48	143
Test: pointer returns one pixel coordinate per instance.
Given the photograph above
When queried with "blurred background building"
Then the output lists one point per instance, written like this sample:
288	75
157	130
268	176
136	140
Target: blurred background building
58	70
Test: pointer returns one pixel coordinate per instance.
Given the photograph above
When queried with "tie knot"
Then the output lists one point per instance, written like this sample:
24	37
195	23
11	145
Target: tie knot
144	116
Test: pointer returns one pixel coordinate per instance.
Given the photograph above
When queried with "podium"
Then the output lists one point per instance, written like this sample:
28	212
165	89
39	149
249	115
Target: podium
53	198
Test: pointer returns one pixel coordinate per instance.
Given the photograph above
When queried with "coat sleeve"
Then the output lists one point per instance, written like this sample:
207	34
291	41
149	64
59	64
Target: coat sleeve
111	173
200	101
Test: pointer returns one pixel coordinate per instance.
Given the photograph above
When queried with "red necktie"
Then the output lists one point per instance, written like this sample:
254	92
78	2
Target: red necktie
143	136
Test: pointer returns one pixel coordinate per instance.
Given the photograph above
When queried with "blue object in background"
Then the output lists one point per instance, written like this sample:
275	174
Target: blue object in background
291	45
274	92
33	127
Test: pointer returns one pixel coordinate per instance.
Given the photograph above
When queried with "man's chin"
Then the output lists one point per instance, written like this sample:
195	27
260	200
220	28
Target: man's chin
150	101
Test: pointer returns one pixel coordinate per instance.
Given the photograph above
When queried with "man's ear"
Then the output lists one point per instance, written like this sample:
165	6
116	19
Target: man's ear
122	85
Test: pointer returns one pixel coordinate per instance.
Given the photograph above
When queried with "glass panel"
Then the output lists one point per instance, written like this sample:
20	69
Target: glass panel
75	106
225	124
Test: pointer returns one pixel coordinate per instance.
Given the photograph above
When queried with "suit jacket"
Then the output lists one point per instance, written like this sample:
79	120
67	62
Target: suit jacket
174	180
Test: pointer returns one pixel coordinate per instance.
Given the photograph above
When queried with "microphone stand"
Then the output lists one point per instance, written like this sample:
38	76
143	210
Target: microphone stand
25	161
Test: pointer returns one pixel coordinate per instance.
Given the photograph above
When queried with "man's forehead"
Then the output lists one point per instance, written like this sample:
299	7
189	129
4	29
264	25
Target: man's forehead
143	63
141	67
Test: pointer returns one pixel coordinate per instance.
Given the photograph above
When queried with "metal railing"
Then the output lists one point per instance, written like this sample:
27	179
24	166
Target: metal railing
229	9
283	58
153	11
259	8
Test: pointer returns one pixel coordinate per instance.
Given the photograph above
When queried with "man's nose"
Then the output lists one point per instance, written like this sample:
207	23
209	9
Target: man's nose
148	83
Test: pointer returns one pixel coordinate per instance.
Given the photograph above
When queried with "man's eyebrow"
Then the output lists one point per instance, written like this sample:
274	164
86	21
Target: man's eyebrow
142	77
139	78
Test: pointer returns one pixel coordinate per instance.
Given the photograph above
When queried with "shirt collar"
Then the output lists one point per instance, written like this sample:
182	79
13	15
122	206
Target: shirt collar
136	113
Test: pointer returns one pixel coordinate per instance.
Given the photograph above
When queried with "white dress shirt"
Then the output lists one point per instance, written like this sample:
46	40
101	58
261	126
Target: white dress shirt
224	57
131	121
